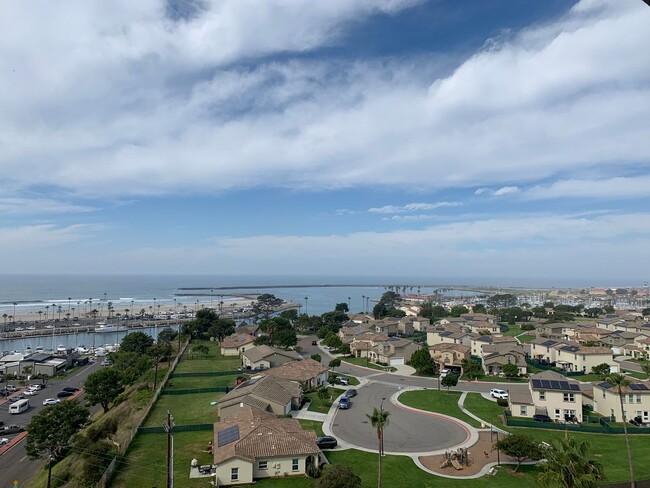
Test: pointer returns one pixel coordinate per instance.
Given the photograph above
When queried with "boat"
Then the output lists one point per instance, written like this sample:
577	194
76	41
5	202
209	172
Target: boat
28	350
61	348
104	327
82	350
39	349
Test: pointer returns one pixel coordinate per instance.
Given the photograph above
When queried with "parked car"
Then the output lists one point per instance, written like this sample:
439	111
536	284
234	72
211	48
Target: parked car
36	386
326	442
51	401
542	418
106	362
12	388
16	398
71	389
351	393
64	394
4	441
444	372
342	380
497	393
344	403
31	392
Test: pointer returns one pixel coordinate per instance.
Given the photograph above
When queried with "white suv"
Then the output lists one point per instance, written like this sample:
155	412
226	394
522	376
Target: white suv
496	393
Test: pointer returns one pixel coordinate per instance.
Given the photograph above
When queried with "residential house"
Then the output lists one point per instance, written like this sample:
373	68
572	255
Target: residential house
573	357
347	334
495	357
450	356
636	400
590	336
405	325
450	336
264	357
267	393
236	344
309	373
549	393
543	349
559	330
480	317
253	444
479	341
393	351
361	318
250	329
363	343
386	327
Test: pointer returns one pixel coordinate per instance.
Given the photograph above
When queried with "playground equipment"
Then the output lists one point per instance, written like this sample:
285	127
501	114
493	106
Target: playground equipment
457	458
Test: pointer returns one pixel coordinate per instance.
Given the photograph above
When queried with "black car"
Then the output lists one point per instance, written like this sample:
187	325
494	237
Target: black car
326	442
541	418
351	393
64	394
70	389
314	343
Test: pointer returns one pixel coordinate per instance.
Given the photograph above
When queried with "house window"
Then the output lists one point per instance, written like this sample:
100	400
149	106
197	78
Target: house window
630	398
623	397
234	474
263	465
542	395
638	398
522	410
569	397
295	464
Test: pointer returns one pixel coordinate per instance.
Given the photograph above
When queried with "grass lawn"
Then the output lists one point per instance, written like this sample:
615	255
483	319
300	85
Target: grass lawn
186	409
362	362
322	405
201	382
634	374
145	461
526	338
513	330
400	471
484	409
437	401
312	425
197	363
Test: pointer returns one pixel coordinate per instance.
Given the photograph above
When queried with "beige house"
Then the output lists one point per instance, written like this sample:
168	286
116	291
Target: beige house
477	343
266	393
450	337
347	334
264	357
307	372
545	350
235	344
450	356
480	317
572	357
393	351
559	330
385	327
551	394
363	343
361	318
418	323
252	445
636	400
495	357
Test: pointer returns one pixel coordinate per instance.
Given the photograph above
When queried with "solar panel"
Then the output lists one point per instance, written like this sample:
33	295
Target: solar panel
605	385
227	436
555	385
537	384
638	387
548	343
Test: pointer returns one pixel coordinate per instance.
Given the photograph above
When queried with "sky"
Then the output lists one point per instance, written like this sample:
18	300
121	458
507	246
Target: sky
486	141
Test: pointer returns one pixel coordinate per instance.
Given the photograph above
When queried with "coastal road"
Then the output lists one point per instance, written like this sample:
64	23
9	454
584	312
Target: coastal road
407	431
14	464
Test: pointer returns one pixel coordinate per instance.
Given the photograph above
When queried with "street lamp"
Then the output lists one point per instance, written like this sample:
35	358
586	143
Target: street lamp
363	303
381	409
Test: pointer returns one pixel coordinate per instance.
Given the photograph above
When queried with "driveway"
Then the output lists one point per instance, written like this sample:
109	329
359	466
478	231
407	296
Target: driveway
408	432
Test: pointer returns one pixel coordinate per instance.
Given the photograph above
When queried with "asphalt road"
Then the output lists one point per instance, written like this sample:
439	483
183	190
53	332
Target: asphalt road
407	431
14	464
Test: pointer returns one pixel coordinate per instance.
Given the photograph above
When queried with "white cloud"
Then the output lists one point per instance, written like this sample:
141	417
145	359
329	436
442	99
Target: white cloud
18	205
607	188
116	100
25	239
412	207
506	190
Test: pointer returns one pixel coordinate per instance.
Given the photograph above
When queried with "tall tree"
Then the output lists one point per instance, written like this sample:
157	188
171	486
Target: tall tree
266	304
158	352
521	447
379	420
567	465
103	387
221	328
449	381
51	431
137	342
338	476
422	361
620	384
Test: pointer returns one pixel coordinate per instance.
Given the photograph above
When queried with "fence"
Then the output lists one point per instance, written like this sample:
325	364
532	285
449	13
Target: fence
601	426
106	477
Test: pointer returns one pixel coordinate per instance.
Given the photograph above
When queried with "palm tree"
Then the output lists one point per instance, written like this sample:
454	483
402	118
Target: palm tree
620	382
568	465
379	420
47	309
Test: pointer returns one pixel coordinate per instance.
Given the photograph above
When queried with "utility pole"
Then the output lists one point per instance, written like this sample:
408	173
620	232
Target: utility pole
49	472
169	426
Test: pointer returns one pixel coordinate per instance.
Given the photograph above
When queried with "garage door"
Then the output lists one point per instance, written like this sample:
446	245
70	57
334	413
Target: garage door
396	361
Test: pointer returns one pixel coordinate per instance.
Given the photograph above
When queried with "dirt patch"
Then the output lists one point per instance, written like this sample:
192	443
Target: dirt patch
479	454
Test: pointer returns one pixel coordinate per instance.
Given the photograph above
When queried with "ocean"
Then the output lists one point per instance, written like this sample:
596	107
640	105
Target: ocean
32	293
